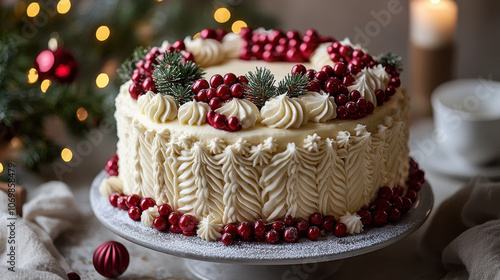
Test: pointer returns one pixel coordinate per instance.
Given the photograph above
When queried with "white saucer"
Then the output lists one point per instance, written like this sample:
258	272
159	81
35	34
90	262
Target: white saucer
424	148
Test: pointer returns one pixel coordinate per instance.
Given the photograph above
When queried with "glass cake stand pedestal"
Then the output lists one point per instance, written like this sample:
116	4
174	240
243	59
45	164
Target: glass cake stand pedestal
255	260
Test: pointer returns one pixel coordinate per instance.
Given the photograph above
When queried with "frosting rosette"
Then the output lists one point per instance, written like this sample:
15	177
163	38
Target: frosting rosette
284	112
157	107
148	216
246	112
321	107
111	185
366	83
352	222
206	52
193	113
209	228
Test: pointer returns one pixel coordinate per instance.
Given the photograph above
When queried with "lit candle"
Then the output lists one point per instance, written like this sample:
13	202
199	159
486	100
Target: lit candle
432	22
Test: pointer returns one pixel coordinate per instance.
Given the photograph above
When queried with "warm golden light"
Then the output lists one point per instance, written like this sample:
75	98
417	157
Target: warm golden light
102	80
63	6
45	85
102	33
66	154
32	76
81	114
196	35
1	167
33	9
435	1
222	15
238	25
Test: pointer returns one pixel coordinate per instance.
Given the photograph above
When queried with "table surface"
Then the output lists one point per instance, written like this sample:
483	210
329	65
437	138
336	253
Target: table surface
402	260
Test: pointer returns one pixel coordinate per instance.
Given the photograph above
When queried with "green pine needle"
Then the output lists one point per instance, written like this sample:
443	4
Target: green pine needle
293	85
174	77
392	59
260	86
125	70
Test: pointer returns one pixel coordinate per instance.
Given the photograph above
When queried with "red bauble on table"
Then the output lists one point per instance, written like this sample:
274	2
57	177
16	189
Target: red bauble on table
111	259
59	65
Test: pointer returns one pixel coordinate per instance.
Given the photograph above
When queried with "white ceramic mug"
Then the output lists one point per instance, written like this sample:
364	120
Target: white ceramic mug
467	120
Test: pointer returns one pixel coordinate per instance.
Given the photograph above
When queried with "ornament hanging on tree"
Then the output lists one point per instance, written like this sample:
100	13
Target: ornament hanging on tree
56	63
111	259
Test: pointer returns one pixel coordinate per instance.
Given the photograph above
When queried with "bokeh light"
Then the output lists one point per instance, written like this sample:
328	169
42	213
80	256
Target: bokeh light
66	154
102	80
33	9
222	15
44	86
237	26
1	167
81	114
63	6
32	76
102	33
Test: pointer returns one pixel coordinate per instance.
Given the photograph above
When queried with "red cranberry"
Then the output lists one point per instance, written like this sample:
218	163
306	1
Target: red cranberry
357	53
411	194
227	238
316	219
231	228
292	43
340	230
393	215
345	51
293	34
221	33
395	82
382	204
351	107
140	64
278	225
354	95
134	213
397	202
148	84
294	55
329	223
370	107
313	233
215	103
174	217
343	90
230	79
385	192
189	233
175	228
147	202
290	221
366	217
210	117
362	103
330	49
136	77
390	91
133	200
245	54
260	238
272	236
122	203
311	33
202	95
380	95
113	199
73	276
291	235
328	70
348	80
416	186
199	85
164	210
299	69
379	217
244	229
340	69
341	112
314	86
306	49
407	204
302	226
135	90
160	223
211	93
336	46
310	73
179	45
367	58
233	123
257	51
335	57
274	36
259	228
246	32
341	99
224	92
208	33
149	66
216	80
321	76
237	90
243	80
187	222
220	121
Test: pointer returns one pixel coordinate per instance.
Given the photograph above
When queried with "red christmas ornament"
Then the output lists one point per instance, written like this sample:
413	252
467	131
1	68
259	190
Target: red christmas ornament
59	65
111	259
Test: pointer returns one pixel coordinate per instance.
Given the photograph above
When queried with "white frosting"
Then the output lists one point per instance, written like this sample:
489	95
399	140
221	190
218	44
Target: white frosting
348	42
193	113
158	108
206	52
148	216
320	57
232	44
209	228
246	112
380	72
366	83
110	185
284	112
320	106
352	222
216	145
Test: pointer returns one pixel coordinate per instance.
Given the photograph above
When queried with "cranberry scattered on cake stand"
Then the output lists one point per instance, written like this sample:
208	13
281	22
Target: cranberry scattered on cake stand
255	260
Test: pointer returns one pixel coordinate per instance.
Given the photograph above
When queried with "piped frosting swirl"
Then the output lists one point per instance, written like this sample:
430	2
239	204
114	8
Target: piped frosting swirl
209	228
148	216
320	106
246	112
366	83
157	107
206	52
284	112
352	222
193	113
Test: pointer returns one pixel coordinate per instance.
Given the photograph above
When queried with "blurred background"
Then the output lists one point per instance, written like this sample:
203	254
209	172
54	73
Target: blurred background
85	41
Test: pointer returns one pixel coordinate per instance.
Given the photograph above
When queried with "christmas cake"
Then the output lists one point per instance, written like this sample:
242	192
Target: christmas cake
262	135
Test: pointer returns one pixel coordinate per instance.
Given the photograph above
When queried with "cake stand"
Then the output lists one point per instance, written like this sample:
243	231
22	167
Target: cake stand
254	260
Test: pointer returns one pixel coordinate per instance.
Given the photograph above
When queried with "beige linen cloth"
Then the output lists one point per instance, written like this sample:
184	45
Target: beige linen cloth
49	212
465	233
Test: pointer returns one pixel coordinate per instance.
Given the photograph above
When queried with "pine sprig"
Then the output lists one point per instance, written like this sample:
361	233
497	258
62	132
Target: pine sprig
293	85
174	77
260	86
125	70
392	59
